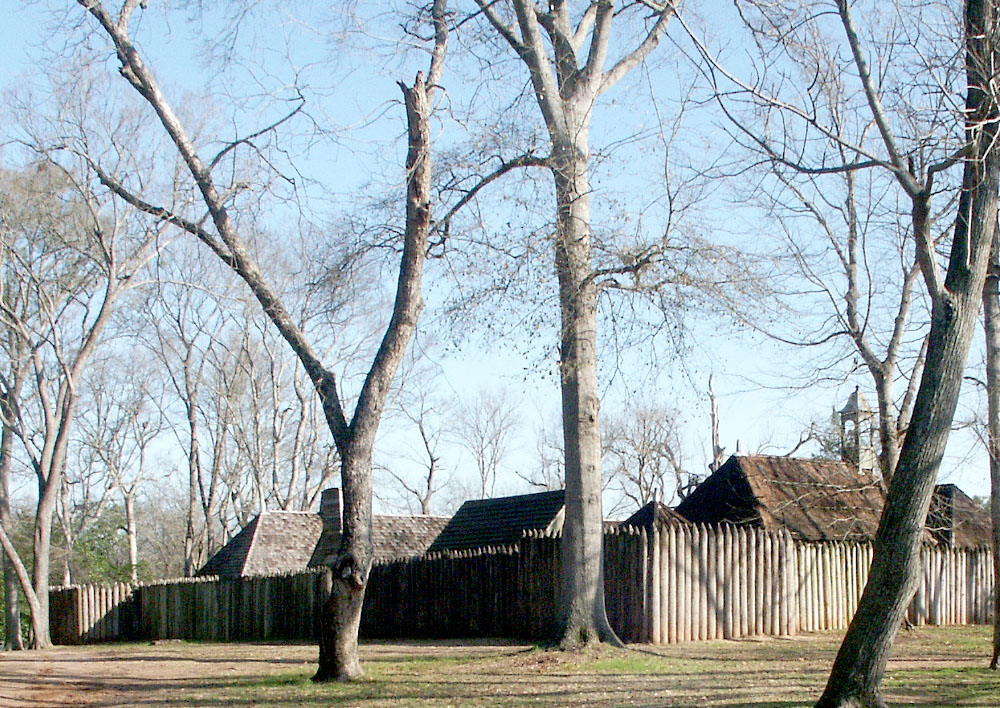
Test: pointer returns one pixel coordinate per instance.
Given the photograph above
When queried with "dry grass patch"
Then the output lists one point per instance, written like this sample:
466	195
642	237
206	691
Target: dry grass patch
932	667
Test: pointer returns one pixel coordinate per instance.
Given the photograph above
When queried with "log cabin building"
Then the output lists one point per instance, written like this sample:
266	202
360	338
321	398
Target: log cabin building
827	500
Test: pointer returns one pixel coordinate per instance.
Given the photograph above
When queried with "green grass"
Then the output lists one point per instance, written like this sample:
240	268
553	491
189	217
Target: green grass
934	667
931	667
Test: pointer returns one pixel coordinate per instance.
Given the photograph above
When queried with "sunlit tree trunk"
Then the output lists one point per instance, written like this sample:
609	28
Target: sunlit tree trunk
567	81
353	437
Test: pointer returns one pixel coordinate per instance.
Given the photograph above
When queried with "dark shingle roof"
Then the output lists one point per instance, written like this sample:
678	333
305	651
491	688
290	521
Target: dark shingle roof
653	510
291	541
957	520
283	542
815	500
231	558
497	522
273	542
394	538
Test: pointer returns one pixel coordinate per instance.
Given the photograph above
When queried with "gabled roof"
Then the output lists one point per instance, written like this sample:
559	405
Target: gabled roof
653	511
273	542
498	522
815	500
291	541
957	520
394	538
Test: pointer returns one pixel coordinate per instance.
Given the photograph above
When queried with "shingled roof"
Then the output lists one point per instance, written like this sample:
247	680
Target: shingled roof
815	500
653	511
958	521
290	541
394	537
497	522
273	542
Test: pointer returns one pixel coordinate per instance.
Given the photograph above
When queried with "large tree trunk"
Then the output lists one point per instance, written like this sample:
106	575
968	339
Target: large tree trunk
581	616
338	642
354	439
991	325
856	677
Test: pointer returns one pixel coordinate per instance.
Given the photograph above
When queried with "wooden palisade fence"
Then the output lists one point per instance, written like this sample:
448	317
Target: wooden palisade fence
679	583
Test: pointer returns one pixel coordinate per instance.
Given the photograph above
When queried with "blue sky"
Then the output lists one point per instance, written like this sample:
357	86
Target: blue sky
360	95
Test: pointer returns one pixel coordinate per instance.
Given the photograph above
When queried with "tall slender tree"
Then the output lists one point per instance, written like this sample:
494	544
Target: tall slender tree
567	59
991	326
70	257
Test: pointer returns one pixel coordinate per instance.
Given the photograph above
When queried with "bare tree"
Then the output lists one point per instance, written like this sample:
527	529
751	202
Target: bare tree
485	428
865	278
914	143
568	73
354	437
421	410
643	446
11	385
547	474
72	264
124	420
718	452
185	336
991	326
955	296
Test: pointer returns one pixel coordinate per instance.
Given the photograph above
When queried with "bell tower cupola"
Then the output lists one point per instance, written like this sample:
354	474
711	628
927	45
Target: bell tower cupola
857	432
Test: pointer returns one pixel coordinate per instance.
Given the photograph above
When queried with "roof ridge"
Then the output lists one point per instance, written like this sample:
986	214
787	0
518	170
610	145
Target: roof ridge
255	523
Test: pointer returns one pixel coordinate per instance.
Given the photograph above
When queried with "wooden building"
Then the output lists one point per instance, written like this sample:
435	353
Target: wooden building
822	500
483	523
292	541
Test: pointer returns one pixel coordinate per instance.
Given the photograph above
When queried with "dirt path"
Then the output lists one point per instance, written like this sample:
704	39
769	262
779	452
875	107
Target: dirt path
932	667
132	675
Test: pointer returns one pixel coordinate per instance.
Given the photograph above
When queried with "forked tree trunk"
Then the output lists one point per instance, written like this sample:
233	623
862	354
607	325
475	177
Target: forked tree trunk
567	81
857	673
338	646
42	546
991	325
354	438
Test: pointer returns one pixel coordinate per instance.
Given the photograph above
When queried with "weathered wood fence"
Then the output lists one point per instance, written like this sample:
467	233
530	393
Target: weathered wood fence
273	607
678	583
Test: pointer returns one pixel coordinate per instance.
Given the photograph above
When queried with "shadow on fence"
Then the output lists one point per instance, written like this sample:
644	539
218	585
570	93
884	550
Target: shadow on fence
677	583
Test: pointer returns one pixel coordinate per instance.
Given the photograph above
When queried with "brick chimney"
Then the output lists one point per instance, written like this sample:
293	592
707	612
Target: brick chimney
330	510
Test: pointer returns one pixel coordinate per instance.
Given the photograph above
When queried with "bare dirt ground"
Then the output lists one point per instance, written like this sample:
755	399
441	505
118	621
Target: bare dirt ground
932	667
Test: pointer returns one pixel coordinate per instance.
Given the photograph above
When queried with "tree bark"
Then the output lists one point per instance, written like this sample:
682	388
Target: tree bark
991	326
582	617
341	618
857	673
12	611
338	655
